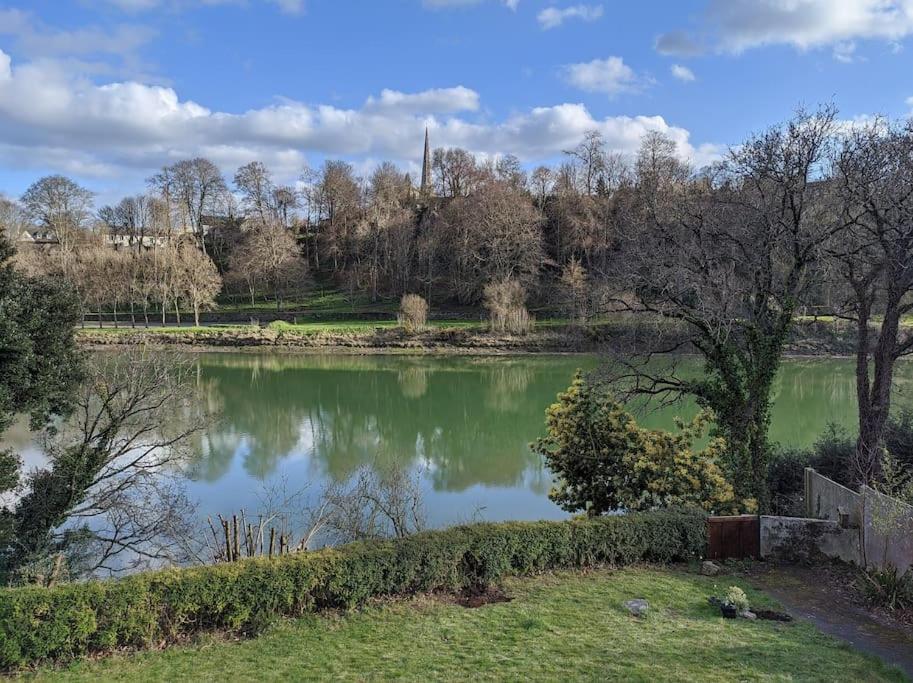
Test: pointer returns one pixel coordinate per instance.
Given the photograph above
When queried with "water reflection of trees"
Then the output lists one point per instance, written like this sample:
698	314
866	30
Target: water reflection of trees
469	421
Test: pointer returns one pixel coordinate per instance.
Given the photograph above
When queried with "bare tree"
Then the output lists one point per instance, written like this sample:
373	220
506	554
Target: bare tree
13	219
376	503
62	207
874	258
494	234
456	172
197	279
505	301
110	500
575	289
132	217
268	254
198	189
541	183
725	263
255	183
591	156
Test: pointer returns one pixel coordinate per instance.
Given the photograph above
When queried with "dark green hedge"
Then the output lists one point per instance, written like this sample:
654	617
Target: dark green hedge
155	607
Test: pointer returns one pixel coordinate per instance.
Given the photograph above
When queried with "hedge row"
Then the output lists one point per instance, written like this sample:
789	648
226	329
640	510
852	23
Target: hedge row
148	609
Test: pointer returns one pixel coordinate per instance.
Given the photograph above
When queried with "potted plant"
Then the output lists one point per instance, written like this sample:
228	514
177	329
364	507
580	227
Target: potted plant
736	602
729	610
733	604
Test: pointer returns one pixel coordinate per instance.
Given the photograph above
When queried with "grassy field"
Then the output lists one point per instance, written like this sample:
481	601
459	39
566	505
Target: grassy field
320	301
568	626
327	326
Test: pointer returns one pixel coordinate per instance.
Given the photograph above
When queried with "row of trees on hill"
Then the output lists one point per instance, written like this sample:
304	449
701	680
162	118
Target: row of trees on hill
486	221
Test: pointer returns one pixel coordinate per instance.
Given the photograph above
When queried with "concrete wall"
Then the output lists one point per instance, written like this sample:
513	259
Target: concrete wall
824	498
879	531
795	538
888	527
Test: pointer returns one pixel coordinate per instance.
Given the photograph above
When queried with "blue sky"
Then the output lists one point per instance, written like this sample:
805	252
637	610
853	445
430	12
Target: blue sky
108	90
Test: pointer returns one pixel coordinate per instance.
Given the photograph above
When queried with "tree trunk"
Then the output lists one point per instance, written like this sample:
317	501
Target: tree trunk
874	394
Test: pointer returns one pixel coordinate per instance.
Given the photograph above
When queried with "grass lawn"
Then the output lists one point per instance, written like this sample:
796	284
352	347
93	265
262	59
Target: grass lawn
329	326
567	626
322	301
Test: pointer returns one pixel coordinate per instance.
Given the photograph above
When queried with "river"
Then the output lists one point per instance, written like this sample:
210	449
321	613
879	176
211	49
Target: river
464	424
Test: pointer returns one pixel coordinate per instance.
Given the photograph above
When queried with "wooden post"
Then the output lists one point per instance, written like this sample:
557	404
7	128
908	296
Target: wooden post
227	540
235	549
809	503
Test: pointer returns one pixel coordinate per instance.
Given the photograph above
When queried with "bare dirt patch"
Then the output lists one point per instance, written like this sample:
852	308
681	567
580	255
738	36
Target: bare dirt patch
472	598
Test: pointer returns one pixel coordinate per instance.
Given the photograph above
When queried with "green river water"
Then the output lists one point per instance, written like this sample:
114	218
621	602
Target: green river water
463	423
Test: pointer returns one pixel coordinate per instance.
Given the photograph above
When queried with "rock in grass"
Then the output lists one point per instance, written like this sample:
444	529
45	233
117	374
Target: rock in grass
638	607
748	614
709	568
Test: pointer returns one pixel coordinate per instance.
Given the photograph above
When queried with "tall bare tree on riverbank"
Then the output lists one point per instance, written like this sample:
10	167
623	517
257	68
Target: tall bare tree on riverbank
874	259
725	260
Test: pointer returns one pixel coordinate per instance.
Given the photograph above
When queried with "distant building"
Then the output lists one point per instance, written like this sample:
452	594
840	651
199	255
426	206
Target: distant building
37	237
119	240
427	186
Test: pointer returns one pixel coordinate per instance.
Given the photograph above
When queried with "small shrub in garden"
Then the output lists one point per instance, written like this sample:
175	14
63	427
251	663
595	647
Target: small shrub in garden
413	313
887	588
736	597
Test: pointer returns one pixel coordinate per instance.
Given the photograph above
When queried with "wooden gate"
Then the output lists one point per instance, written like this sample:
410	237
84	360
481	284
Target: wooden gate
737	537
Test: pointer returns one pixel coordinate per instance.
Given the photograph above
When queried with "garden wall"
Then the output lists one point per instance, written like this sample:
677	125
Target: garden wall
867	528
824	499
800	538
888	527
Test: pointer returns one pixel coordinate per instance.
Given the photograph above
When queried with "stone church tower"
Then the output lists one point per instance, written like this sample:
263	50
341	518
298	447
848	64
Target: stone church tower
426	187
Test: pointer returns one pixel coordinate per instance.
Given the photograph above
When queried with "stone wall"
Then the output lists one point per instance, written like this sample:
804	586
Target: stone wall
876	532
796	539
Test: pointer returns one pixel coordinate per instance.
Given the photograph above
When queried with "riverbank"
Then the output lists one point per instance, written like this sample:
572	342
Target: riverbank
442	337
568	625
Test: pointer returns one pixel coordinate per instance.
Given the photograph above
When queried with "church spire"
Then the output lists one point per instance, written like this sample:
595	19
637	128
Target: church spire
426	166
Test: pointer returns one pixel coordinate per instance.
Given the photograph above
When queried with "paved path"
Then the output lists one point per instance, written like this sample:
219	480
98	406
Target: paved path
805	596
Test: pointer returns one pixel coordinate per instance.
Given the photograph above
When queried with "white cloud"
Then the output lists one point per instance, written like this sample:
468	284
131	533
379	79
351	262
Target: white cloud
737	25
436	101
35	39
553	17
682	73
845	52
610	76
52	120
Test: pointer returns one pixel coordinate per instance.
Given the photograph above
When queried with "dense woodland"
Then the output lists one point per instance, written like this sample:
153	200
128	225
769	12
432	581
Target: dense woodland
553	230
